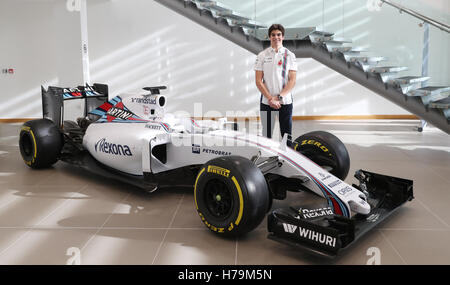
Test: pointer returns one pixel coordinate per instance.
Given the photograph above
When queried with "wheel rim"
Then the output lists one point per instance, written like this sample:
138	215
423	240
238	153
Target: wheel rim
27	145
218	199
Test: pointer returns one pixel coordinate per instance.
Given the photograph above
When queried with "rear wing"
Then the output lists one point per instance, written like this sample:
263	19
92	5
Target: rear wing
53	100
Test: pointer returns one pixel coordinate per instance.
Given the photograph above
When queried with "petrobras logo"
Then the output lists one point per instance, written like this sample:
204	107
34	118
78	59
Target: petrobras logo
215	152
112	148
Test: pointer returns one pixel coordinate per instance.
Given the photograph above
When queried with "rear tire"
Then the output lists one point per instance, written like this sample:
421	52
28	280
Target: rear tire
326	150
40	143
231	195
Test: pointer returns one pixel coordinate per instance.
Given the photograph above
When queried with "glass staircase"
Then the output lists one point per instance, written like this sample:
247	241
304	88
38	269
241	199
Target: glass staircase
430	103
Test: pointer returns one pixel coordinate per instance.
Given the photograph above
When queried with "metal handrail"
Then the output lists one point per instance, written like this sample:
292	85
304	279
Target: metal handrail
437	24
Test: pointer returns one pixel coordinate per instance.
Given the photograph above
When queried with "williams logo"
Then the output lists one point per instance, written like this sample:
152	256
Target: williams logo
112	148
195	148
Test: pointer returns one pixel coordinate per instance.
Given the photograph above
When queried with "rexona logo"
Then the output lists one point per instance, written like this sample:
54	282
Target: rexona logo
112	148
311	235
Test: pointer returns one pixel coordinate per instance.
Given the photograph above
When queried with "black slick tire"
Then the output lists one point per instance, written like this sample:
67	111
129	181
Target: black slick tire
231	195
40	143
326	150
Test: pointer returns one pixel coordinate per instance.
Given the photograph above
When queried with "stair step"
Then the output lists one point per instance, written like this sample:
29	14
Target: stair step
364	59
441	104
351	53
211	5
430	94
322	33
444	105
387	69
319	37
409	80
408	83
406	88
231	15
339	48
336	42
289	33
431	90
247	23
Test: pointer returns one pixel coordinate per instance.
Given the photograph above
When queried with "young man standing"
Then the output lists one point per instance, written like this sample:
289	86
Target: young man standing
275	75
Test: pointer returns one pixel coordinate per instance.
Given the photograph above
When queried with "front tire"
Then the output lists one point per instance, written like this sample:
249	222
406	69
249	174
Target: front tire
231	195
326	150
40	143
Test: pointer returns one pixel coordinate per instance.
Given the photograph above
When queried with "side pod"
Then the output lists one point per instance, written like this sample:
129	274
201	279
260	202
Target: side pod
321	232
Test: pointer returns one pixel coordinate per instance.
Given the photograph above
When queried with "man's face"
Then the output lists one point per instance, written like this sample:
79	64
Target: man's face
276	38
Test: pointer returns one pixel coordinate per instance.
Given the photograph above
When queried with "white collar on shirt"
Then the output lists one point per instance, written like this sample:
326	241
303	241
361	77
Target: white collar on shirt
280	50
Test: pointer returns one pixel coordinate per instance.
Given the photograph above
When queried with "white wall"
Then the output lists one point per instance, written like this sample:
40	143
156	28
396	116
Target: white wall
41	41
137	43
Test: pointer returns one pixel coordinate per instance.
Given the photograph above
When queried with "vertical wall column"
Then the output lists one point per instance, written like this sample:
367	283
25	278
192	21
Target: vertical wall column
84	41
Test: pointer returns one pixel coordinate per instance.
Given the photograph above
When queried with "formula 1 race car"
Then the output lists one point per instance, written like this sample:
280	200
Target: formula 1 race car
235	175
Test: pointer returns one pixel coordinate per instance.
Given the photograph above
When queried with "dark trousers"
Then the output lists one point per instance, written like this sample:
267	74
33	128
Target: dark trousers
268	119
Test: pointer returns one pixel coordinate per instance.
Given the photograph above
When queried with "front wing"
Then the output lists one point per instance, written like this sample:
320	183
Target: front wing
319	231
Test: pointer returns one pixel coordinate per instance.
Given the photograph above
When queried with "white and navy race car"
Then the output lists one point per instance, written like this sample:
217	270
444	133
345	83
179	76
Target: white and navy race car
235	175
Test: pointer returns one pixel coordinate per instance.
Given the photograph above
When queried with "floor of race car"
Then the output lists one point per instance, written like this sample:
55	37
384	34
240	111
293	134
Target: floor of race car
67	216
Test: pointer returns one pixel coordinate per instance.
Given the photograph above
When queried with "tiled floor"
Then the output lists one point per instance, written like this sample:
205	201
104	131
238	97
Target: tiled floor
62	215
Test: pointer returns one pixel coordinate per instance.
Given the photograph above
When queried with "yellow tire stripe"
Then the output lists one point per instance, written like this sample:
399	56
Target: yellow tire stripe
35	145
195	187
241	201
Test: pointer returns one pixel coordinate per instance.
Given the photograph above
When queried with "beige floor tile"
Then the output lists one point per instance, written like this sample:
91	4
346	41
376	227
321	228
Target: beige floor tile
187	216
143	210
30	205
45	246
195	247
8	236
89	209
123	246
371	249
421	246
17	174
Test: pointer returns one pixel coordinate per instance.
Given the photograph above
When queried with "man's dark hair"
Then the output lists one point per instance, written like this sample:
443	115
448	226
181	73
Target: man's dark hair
276	27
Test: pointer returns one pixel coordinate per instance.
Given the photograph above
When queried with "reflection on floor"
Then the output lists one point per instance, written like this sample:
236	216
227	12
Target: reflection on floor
61	215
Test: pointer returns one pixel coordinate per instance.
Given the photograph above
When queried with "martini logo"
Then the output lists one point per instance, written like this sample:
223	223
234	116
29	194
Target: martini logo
112	148
119	113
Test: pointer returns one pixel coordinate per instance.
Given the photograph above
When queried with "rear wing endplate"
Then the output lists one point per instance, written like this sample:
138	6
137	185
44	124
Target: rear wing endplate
53	99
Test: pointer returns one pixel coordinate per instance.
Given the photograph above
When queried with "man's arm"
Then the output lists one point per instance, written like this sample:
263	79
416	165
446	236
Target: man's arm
292	77
273	102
